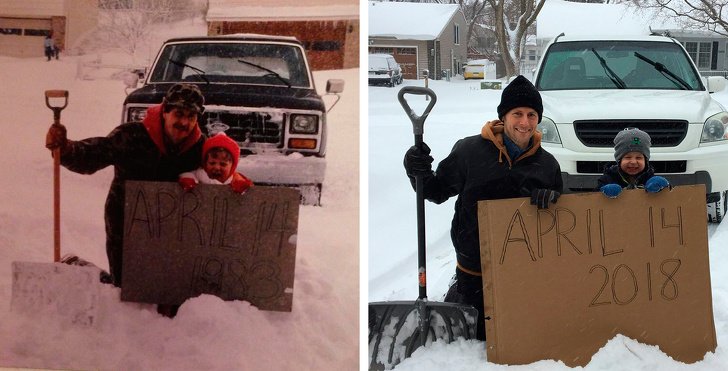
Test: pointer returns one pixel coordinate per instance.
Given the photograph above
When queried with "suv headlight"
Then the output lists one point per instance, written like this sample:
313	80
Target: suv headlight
304	124
549	134
135	114
714	128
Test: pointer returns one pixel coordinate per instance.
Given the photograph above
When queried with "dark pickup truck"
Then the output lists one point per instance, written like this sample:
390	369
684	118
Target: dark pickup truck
260	91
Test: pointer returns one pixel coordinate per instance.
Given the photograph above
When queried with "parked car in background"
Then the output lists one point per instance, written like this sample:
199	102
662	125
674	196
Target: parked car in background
474	71
384	70
593	87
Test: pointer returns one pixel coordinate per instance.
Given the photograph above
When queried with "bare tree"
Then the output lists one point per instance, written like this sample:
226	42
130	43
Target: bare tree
126	24
511	22
699	14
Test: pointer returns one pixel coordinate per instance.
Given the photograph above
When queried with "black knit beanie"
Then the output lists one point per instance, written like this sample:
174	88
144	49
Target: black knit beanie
520	93
631	140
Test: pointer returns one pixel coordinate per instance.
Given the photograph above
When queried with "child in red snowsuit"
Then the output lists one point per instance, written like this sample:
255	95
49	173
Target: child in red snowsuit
220	156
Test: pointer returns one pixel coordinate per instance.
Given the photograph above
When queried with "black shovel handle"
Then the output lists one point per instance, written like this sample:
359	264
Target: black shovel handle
418	124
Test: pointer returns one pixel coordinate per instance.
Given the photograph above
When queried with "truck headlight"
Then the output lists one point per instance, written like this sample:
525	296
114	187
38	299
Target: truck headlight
714	128
549	134
304	124
135	114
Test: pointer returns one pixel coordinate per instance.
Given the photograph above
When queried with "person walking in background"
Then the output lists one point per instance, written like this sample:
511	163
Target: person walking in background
50	47
505	160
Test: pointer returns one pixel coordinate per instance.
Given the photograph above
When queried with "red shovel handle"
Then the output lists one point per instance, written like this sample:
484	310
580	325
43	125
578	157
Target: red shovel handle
56	171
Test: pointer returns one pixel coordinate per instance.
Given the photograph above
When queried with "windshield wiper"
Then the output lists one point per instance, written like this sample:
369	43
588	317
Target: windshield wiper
198	71
270	72
612	76
680	83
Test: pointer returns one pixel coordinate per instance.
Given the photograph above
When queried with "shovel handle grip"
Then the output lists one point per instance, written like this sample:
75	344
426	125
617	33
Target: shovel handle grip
56	94
418	122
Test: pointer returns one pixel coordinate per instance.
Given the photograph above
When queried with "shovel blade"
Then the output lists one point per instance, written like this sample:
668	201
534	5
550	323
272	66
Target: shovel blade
69	292
394	331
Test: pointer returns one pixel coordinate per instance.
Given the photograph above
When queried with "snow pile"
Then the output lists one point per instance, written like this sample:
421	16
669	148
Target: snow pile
208	333
461	110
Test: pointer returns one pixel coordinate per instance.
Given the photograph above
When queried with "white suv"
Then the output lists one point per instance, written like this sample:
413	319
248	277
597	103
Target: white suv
593	87
383	69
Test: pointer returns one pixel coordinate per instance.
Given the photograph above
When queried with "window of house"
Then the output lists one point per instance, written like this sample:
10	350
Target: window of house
457	33
11	31
325	45
406	51
380	50
35	32
700	53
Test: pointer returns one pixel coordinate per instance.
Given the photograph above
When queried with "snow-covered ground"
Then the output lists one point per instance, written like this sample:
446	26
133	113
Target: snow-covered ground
321	332
461	110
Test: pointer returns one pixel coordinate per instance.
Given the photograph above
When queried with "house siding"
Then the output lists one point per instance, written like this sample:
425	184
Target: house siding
329	44
453	56
66	20
435	55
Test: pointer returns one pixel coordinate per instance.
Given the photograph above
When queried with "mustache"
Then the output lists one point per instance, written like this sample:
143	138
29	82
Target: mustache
181	127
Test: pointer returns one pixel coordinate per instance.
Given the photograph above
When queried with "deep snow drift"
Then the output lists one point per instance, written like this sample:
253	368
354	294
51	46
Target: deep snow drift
322	330
461	110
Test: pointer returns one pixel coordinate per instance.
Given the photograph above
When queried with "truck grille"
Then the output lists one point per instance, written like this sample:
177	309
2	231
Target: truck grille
601	133
249	129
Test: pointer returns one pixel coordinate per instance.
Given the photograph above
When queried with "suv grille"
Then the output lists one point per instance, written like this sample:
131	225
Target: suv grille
601	133
247	128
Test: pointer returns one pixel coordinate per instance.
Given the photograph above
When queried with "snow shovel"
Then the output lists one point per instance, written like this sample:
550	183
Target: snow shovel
69	292
397	328
56	171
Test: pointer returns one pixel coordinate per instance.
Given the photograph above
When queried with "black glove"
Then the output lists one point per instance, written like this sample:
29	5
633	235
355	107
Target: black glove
418	162
542	196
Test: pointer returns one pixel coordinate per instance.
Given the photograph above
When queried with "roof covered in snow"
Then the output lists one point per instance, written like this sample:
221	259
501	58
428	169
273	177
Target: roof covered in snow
242	10
571	18
418	21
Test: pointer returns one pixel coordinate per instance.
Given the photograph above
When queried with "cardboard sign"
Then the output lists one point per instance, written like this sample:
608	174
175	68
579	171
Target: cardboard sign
178	244
560	282
69	292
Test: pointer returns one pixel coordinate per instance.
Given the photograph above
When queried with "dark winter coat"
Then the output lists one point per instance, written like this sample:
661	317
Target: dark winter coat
613	174
138	152
479	168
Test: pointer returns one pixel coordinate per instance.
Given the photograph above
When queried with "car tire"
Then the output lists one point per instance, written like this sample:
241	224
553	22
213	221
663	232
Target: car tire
717	209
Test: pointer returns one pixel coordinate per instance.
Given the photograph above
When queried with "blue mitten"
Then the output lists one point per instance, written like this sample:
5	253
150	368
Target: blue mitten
656	184
611	190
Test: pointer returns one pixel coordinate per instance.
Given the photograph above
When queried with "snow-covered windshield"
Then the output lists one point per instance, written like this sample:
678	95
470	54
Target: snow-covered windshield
231	63
617	65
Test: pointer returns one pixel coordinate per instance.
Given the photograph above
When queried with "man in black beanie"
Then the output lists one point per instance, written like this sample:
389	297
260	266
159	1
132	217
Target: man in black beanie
504	161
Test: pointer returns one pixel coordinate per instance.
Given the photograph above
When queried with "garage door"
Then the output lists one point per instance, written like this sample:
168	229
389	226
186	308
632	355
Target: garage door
23	37
407	59
405	56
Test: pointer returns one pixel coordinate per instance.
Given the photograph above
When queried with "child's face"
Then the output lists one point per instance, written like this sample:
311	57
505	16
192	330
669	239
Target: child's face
218	165
632	163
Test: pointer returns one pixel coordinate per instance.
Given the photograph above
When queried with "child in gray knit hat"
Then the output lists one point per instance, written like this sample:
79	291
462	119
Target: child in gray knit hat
632	170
